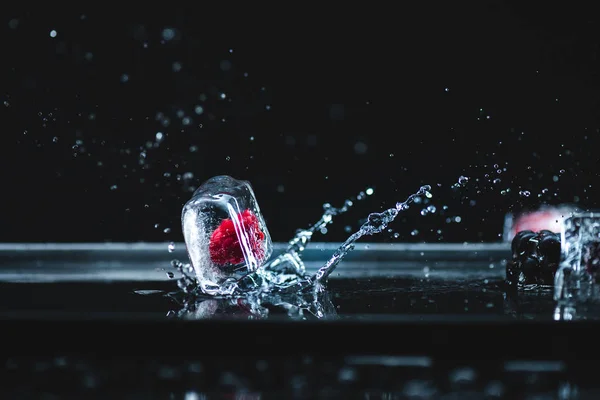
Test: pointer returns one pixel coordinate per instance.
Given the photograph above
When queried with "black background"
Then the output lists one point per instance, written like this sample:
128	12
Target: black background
337	98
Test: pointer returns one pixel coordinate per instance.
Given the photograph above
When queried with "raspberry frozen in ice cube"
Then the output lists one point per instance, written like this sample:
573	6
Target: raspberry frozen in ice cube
225	234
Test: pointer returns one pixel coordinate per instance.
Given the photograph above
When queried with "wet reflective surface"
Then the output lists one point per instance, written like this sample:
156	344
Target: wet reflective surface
359	299
414	322
375	283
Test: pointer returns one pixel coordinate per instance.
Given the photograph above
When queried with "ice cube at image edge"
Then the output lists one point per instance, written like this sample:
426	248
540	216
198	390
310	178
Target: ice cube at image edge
224	231
579	267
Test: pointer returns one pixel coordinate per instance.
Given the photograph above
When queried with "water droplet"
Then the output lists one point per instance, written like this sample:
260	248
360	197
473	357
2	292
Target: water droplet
227	158
462	180
525	193
414	232
497	181
431	209
167	230
168	34
55	139
53	33
396	235
113	187
159	137
171	247
170	275
369	191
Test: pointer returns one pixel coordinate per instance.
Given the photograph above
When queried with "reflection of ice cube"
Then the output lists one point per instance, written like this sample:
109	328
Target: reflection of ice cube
225	234
580	248
298	305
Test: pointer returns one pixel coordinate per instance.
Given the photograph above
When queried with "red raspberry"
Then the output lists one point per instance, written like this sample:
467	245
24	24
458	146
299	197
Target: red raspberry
224	245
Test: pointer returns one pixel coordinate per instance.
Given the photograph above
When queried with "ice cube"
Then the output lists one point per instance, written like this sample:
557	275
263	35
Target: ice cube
225	234
578	275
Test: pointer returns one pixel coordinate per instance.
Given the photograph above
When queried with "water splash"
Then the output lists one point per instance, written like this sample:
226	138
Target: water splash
376	222
298	305
287	266
303	236
282	271
286	273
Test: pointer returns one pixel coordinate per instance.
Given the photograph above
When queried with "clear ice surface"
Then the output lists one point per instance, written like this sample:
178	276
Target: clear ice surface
576	279
229	258
225	234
